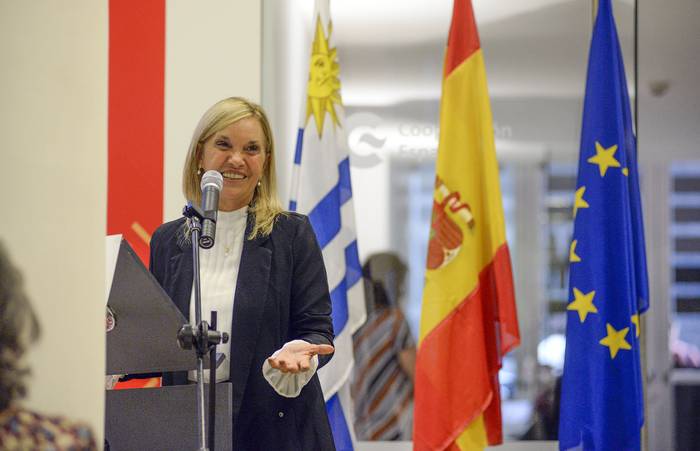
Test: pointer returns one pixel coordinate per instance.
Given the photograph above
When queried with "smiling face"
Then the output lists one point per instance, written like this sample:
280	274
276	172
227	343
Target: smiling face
238	152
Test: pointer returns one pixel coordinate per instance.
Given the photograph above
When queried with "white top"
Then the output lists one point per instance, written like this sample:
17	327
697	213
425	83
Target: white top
218	276
218	269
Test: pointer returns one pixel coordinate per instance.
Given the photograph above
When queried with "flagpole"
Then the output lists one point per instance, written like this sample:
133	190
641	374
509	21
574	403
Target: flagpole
636	72
643	320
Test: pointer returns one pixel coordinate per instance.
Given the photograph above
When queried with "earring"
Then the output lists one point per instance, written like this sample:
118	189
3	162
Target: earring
200	171
259	183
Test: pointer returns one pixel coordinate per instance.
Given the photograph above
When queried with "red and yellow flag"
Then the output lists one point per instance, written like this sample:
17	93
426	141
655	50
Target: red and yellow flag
469	320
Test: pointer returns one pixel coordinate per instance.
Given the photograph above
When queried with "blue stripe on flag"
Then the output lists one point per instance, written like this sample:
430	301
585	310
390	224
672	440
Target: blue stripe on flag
300	144
339	299
353	269
292	205
339	427
344	181
339	295
325	217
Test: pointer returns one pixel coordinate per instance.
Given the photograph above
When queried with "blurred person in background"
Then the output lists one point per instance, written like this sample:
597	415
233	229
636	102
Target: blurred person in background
385	355
21	428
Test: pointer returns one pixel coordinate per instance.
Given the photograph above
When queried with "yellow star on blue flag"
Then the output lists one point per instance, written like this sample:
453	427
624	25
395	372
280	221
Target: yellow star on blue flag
604	158
601	401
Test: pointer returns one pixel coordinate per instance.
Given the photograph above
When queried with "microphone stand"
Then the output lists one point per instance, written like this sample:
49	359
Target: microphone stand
212	386
201	336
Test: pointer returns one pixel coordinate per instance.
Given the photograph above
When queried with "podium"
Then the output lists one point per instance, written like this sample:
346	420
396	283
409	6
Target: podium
163	418
143	339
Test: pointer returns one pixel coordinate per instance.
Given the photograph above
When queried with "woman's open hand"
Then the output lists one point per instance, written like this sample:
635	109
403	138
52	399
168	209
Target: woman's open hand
296	356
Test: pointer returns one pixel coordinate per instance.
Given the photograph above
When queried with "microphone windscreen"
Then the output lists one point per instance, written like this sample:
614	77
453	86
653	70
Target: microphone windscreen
212	178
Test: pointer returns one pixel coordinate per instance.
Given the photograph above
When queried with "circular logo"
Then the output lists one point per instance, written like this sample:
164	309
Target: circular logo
363	140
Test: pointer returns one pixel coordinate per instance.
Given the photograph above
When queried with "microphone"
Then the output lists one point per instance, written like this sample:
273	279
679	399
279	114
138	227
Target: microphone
212	182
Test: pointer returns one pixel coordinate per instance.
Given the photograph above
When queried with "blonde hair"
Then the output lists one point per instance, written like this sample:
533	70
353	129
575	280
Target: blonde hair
265	205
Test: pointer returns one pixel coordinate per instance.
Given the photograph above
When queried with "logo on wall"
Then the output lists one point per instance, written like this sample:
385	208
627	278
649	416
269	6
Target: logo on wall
445	233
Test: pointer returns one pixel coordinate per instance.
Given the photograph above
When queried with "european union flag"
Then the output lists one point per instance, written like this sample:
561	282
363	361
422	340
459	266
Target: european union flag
602	405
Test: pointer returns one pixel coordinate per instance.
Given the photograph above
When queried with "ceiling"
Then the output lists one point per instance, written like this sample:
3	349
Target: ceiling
538	48
535	51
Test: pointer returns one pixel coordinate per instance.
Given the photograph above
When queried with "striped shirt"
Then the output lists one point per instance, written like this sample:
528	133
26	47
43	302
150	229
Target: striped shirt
382	391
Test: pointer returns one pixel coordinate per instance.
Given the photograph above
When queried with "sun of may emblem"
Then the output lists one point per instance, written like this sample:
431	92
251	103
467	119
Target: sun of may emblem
324	86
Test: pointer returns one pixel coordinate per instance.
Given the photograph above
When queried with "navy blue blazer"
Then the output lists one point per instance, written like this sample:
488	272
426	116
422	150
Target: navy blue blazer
281	295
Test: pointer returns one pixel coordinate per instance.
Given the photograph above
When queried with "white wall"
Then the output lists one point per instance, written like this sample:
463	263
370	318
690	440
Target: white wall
53	173
286	51
212	51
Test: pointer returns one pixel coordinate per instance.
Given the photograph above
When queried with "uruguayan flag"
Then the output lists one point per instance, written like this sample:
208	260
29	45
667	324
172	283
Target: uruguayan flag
321	189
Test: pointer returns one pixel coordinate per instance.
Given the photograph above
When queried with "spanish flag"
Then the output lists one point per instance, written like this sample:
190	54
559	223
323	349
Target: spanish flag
469	320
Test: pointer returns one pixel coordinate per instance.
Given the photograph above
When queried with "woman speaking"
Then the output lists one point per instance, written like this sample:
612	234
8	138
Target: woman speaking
264	276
